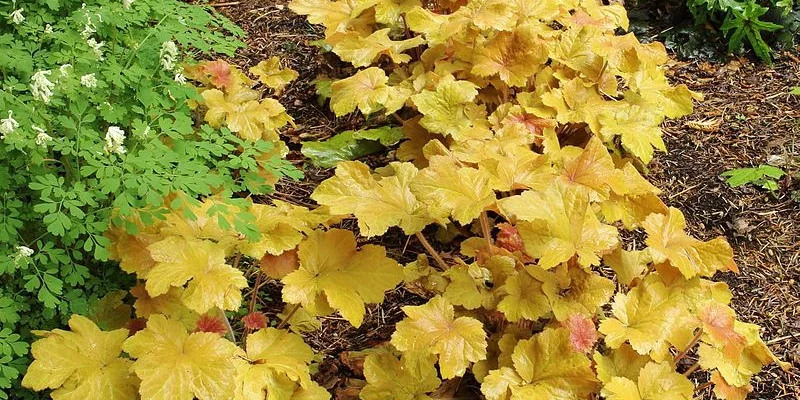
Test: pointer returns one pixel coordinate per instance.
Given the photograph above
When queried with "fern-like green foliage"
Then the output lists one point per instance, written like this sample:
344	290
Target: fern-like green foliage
95	126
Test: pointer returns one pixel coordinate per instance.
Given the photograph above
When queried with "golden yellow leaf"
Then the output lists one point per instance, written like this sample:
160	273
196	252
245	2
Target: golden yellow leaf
558	224
274	356
379	202
406	377
363	51
433	329
449	109
83	363
546	367
332	272
302	321
656	381
467	287
669	242
517	168
368	91
638	128
271	74
590	168
131	250
628	265
573	290
211	282
643	317
525	298
168	304
282	227
251	119
176	365
336	16
514	56
416	139
462	191
621	362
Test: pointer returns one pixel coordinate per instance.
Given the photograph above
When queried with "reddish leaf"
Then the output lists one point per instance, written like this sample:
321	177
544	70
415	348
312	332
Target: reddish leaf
255	321
509	238
582	333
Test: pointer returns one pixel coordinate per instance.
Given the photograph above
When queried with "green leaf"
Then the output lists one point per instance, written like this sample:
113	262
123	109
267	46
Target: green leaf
350	145
757	175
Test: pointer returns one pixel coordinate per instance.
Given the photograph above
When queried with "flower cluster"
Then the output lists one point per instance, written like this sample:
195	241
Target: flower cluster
41	86
17	17
114	140
169	55
89	81
23	252
42	138
8	125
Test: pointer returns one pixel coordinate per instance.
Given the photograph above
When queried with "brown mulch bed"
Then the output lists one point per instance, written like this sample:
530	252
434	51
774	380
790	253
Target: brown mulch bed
759	119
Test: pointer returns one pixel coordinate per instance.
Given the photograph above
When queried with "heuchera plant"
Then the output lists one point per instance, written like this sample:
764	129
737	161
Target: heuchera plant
525	122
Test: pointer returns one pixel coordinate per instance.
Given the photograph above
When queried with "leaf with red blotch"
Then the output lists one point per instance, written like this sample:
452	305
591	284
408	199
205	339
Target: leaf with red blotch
582	332
509	238
255	320
211	324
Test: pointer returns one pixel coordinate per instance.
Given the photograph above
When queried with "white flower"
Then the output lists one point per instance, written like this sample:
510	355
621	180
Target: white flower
88	28
180	78
8	125
64	69
114	138
23	252
42	138
41	87
96	47
169	53
48	30
127	4
17	17
89	81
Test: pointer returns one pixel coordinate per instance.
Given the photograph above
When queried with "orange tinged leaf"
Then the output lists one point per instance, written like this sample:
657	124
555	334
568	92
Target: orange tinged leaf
276	267
725	391
718	321
669	242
